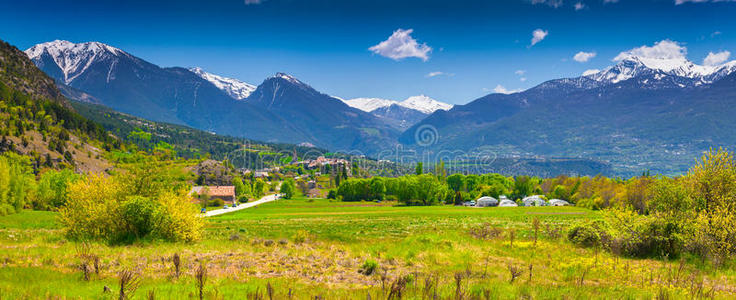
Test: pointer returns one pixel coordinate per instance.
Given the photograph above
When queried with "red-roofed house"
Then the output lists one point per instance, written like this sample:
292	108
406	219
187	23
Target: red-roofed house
226	193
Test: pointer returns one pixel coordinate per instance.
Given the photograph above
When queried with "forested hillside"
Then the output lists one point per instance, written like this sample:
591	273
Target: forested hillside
36	121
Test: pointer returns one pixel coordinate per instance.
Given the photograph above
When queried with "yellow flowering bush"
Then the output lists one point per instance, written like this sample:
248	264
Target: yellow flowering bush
108	208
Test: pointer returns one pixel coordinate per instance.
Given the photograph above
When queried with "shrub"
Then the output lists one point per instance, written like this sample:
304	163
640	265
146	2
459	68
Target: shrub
368	267
216	202
103	208
140	215
586	235
301	236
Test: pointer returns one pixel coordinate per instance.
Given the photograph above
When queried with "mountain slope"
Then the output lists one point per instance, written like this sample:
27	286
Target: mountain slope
327	120
38	122
399	116
234	88
21	74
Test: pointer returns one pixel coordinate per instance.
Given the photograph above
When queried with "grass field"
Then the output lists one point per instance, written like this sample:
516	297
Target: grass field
316	248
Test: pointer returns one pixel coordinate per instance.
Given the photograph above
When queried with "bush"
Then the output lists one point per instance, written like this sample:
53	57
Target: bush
368	267
301	236
216	202
104	208
587	235
140	215
642	236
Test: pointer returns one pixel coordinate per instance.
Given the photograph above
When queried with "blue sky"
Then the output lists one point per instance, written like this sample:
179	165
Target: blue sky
477	45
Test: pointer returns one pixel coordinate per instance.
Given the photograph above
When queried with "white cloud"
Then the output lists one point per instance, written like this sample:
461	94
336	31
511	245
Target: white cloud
590	72
610	1
714	59
551	3
249	2
520	72
715	33
583	56
502	90
438	73
665	49
678	2
401	45
579	6
538	35
522	79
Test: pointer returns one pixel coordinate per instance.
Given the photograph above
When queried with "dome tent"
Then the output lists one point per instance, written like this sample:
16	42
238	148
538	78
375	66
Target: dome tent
535	200
558	202
486	202
507	203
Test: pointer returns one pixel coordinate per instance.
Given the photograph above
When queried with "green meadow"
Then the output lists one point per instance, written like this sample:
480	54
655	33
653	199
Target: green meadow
322	249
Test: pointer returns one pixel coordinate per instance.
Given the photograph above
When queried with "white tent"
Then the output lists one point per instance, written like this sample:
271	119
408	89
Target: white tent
486	202
558	202
507	203
535	200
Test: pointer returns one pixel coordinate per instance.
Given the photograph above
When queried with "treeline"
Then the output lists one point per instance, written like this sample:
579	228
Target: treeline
436	188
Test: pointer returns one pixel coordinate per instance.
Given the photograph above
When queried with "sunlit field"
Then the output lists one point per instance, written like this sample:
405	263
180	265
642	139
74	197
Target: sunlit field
304	248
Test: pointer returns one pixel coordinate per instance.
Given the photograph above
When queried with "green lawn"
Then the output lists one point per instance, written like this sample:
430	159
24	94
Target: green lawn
316	248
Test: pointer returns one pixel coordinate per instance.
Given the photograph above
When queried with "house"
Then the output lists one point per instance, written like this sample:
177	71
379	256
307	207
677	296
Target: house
226	193
260	174
486	202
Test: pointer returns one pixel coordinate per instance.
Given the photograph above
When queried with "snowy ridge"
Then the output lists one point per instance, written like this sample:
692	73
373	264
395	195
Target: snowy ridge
233	87
424	104
369	104
73	59
421	103
634	66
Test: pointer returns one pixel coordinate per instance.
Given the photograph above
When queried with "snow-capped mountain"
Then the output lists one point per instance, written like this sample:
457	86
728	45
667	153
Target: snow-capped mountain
369	104
646	72
635	66
421	103
233	87
73	59
424	104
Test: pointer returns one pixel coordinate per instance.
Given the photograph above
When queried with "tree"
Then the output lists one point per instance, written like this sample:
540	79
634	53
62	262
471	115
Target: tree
419	169
288	188
378	188
456	182
439	170
240	188
523	186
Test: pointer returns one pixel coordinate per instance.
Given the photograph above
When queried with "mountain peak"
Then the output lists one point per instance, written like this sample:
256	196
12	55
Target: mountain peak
234	88
424	104
72	58
287	77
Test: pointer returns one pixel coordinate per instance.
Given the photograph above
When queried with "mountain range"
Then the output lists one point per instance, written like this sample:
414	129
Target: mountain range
281	109
643	113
